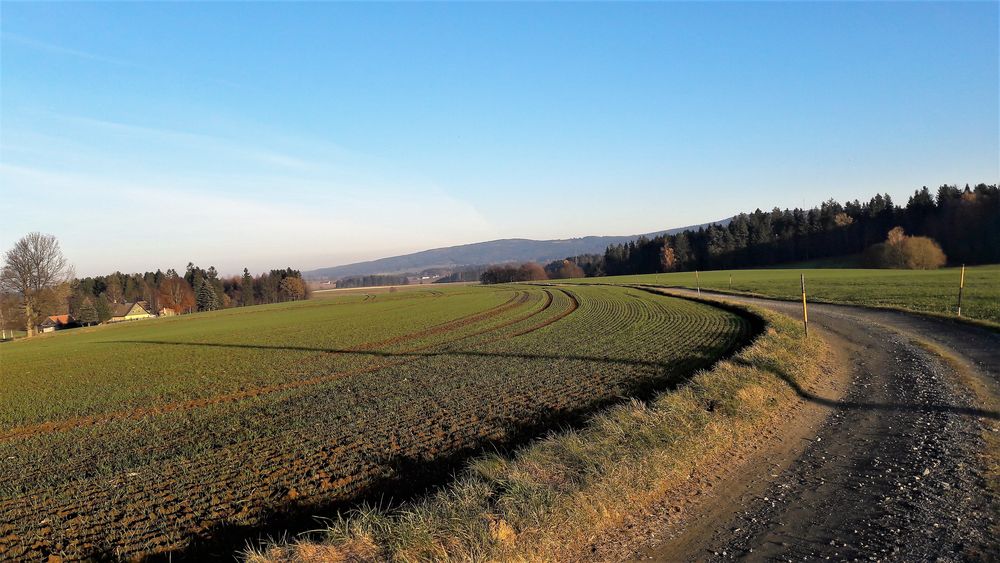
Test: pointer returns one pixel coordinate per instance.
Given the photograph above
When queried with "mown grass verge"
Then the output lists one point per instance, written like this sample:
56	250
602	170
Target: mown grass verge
553	497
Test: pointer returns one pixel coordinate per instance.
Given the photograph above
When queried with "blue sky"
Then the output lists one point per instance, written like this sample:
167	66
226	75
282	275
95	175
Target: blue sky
148	135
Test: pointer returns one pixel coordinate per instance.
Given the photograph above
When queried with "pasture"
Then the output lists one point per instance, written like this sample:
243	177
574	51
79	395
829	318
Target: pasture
926	291
159	436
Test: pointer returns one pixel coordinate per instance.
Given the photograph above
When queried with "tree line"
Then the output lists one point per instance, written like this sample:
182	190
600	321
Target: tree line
36	281
197	289
465	274
965	223
530	271
374	280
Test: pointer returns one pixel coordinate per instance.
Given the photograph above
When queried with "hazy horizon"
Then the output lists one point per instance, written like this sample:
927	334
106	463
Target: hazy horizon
146	136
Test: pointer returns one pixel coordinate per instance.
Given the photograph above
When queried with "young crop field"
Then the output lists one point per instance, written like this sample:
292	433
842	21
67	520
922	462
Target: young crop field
161	436
928	291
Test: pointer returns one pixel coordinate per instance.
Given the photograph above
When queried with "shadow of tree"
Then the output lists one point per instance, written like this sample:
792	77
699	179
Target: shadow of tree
891	407
704	351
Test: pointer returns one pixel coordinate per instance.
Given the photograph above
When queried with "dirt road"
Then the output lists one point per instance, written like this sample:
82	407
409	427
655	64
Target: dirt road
895	470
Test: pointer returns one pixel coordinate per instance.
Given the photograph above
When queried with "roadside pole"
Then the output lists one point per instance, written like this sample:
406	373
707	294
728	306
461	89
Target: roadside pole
730	282
805	311
697	281
961	286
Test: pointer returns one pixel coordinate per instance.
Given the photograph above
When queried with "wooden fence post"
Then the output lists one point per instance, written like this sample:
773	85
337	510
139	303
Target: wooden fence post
961	286
805	311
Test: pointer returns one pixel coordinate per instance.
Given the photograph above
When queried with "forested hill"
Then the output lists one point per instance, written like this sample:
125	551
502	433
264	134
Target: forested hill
491	252
965	222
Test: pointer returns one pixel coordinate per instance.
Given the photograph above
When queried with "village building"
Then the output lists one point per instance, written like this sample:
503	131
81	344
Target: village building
130	312
167	312
57	322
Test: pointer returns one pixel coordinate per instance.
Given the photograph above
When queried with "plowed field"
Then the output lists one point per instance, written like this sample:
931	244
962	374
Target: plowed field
161	436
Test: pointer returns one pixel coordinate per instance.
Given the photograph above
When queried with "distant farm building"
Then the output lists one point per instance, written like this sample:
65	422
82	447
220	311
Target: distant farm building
130	312
167	312
57	322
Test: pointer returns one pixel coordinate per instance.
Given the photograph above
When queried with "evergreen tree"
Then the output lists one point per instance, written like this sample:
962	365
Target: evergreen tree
212	277
205	297
246	288
103	307
88	314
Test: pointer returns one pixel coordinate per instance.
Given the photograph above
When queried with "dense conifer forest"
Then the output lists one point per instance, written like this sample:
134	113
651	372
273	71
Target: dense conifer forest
965	222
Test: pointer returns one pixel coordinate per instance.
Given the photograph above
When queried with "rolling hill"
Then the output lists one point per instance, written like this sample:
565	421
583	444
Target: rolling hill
479	253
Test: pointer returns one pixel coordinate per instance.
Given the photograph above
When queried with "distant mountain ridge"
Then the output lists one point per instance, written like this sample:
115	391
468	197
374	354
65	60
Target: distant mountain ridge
490	252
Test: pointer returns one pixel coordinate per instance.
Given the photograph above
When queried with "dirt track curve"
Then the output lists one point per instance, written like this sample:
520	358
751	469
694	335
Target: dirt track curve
894	468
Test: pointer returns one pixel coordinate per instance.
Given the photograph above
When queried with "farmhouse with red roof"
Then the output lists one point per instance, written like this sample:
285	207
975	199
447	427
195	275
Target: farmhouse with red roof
57	322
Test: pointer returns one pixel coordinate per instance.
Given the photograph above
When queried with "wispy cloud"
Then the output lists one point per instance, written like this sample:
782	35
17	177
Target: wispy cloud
189	139
60	50
46	47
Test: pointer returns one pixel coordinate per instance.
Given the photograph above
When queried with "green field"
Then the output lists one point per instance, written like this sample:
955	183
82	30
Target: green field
130	439
927	291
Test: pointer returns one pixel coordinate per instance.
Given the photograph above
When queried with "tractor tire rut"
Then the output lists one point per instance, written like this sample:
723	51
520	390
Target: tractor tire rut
895	472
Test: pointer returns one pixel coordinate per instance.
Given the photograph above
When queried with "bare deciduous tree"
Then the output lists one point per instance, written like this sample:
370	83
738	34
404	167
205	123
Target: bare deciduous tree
34	265
114	290
668	259
902	251
531	271
570	270
8	312
293	288
176	294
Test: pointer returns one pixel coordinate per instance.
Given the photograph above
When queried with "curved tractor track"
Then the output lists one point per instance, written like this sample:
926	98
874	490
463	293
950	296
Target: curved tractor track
894	472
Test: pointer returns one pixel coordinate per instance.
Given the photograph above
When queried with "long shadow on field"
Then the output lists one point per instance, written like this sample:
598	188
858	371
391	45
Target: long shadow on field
428	354
407	478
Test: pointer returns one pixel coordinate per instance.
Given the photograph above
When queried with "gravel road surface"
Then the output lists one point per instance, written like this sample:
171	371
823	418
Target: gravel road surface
895	472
